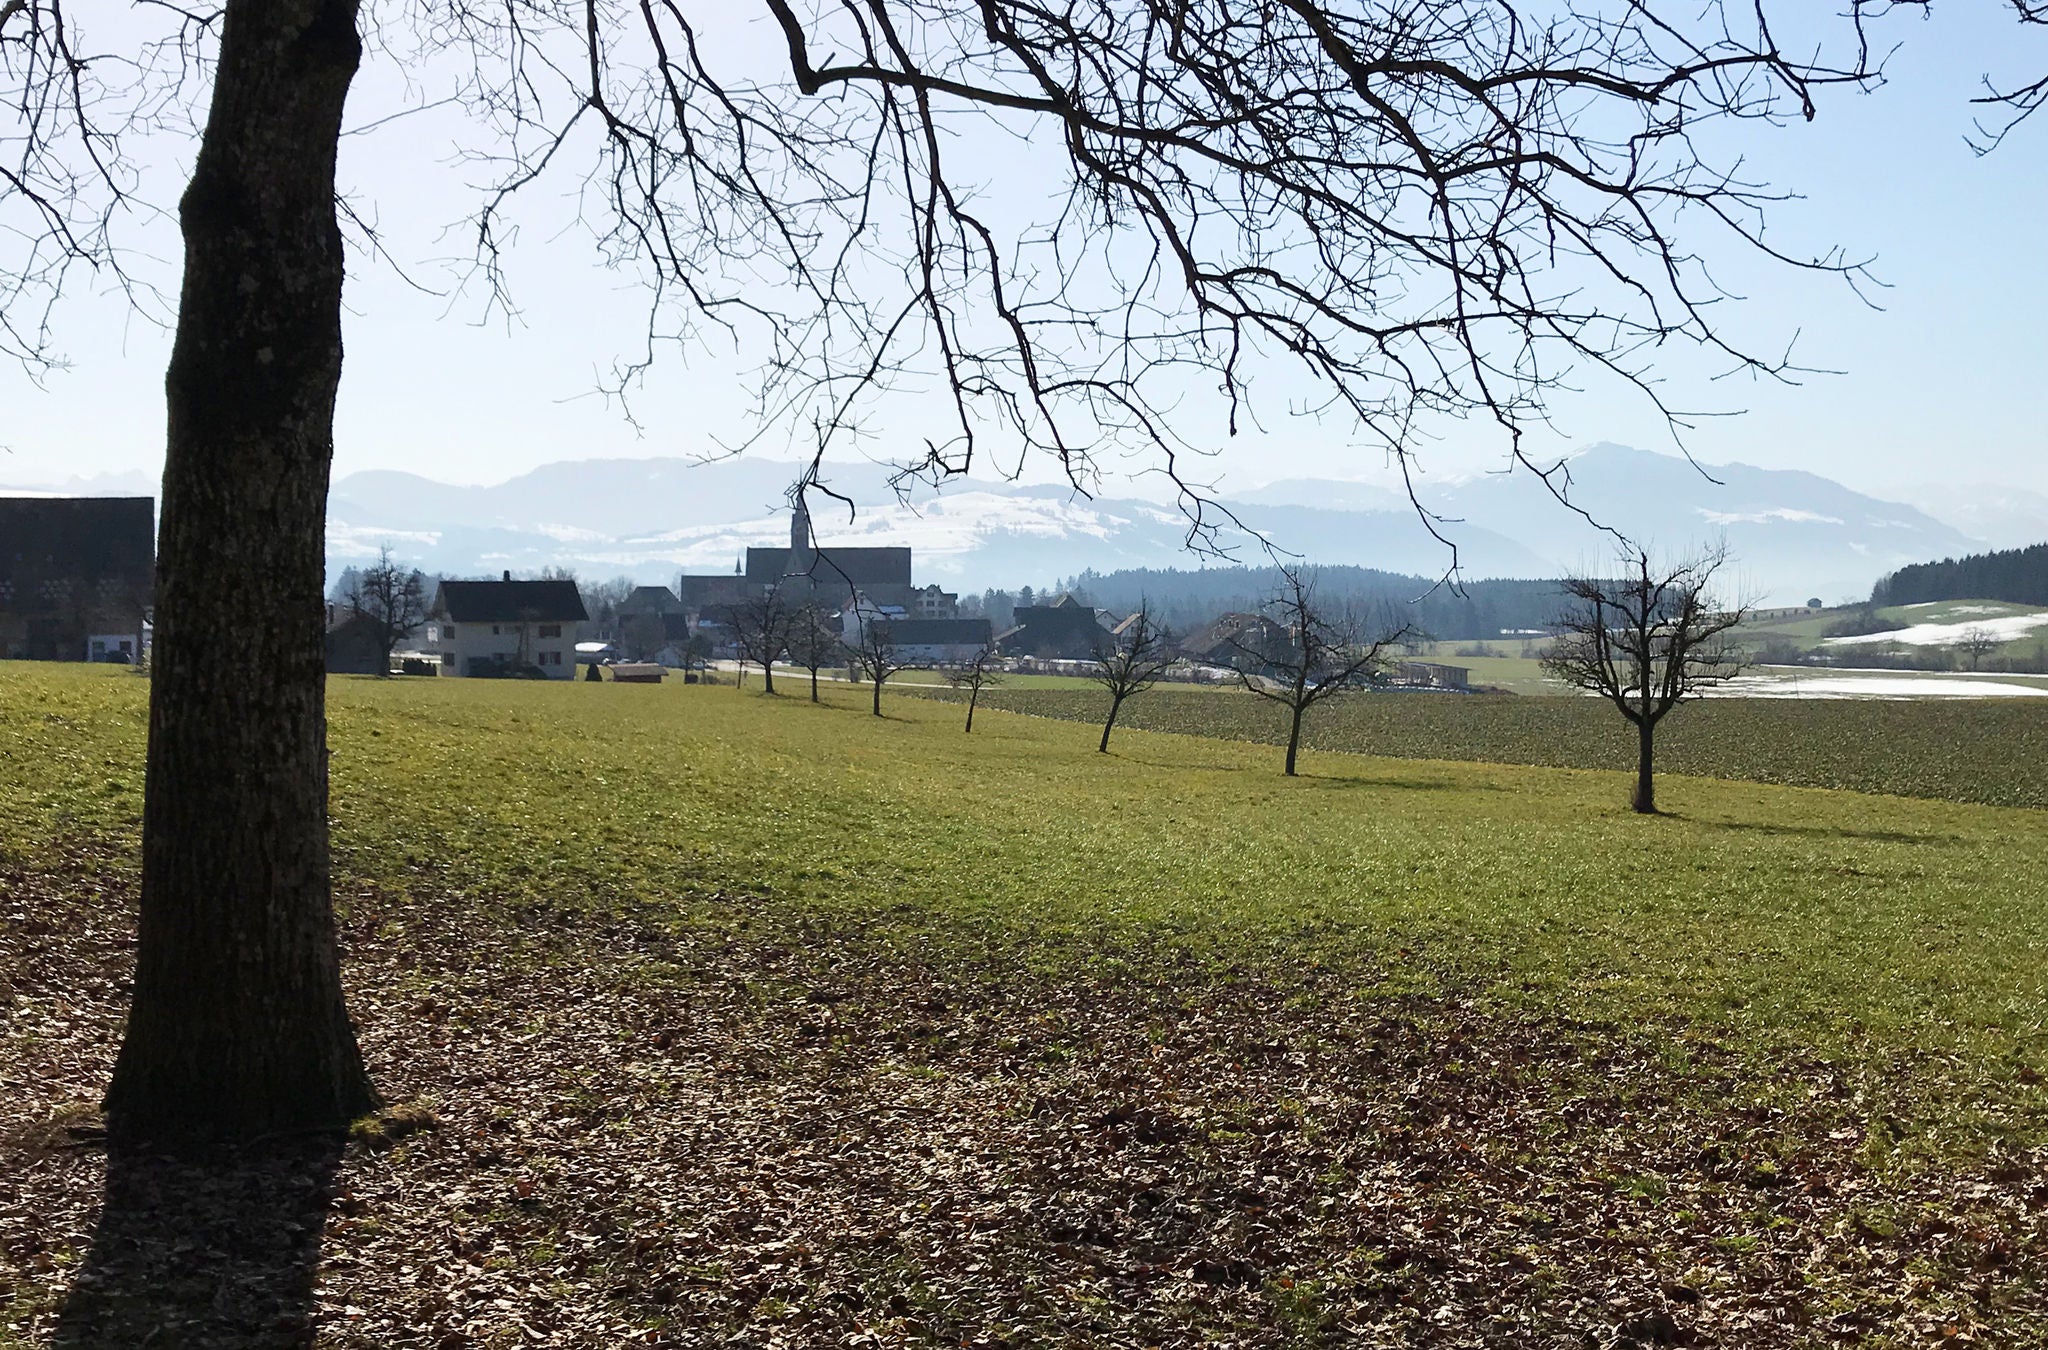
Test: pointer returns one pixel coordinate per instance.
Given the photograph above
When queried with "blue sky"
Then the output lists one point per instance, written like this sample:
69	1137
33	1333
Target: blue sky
1942	383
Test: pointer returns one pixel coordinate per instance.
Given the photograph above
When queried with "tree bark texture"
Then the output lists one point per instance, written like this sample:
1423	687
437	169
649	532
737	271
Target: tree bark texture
878	698
237	1026
1114	705
1293	739
1646	796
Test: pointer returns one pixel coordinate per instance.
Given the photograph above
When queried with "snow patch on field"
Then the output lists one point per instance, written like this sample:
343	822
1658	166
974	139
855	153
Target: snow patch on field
1948	634
1877	686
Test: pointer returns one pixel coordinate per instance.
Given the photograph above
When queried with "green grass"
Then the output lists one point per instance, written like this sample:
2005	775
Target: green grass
1990	751
1890	932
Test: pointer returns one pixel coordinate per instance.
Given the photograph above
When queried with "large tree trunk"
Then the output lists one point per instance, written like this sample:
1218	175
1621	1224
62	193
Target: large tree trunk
1293	739
237	1026
973	697
1107	727
878	696
1646	795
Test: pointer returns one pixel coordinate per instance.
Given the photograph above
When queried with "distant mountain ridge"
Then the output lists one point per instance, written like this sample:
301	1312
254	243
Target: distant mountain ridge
1792	534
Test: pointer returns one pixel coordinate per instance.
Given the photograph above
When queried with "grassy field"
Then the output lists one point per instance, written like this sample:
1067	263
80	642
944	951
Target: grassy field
1993	751
744	1017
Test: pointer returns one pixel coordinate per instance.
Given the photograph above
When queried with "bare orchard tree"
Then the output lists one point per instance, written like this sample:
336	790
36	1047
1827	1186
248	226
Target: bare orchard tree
1128	665
1433	210
813	643
1329	651
1646	642
873	655
1977	642
392	598
981	671
761	627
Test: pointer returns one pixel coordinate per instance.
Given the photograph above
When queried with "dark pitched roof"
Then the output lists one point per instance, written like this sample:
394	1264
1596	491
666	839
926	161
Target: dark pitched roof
938	632
854	566
1232	637
512	602
109	542
650	600
1068	631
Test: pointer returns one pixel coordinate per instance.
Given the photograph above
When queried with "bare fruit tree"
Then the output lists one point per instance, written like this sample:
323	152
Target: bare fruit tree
1328	652
761	628
874	656
1129	664
812	643
391	598
1977	642
1647	642
981	671
1420	210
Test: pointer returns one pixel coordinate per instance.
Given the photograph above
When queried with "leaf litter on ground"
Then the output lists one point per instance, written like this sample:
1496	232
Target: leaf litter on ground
780	1131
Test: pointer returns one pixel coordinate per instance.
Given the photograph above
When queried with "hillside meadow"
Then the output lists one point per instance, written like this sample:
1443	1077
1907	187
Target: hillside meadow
721	1016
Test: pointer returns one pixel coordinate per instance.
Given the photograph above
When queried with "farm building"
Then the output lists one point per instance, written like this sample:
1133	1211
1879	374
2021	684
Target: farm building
486	628
77	577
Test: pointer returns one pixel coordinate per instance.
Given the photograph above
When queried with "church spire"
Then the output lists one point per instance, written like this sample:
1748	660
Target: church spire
800	553
800	527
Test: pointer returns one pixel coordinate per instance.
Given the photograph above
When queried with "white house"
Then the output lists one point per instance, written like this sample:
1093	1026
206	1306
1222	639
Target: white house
940	642
506	627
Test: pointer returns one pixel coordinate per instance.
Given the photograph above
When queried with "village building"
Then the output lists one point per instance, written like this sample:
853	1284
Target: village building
805	573
1251	643
506	627
931	602
1065	630
1431	675
653	626
77	577
938	642
354	644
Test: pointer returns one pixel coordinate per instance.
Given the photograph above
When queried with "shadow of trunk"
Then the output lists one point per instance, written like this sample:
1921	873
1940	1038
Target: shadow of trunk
220	1252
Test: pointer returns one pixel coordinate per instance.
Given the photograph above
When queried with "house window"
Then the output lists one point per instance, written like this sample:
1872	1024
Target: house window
496	631
448	632
553	630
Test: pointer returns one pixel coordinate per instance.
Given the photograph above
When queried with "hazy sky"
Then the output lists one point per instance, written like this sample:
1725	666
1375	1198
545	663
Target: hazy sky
1944	382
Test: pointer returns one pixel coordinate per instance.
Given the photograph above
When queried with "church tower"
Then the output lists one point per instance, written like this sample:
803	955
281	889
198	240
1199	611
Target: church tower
801	554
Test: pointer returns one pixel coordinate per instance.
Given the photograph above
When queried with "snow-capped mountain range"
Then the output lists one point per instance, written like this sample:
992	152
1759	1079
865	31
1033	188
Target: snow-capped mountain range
1792	535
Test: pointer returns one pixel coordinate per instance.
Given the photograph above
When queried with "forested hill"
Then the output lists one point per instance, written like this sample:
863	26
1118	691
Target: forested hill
1187	599
2016	575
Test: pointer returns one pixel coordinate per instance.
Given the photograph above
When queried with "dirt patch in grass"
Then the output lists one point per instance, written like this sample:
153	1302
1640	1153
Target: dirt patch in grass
628	1133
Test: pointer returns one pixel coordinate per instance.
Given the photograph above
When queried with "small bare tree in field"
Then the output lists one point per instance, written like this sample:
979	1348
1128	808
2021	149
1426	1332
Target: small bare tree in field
1646	643
1329	652
1977	642
812	643
977	673
1128	667
761	629
874	655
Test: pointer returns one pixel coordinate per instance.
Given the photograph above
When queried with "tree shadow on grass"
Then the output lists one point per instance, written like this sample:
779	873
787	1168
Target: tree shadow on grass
218	1253
1398	784
1815	831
